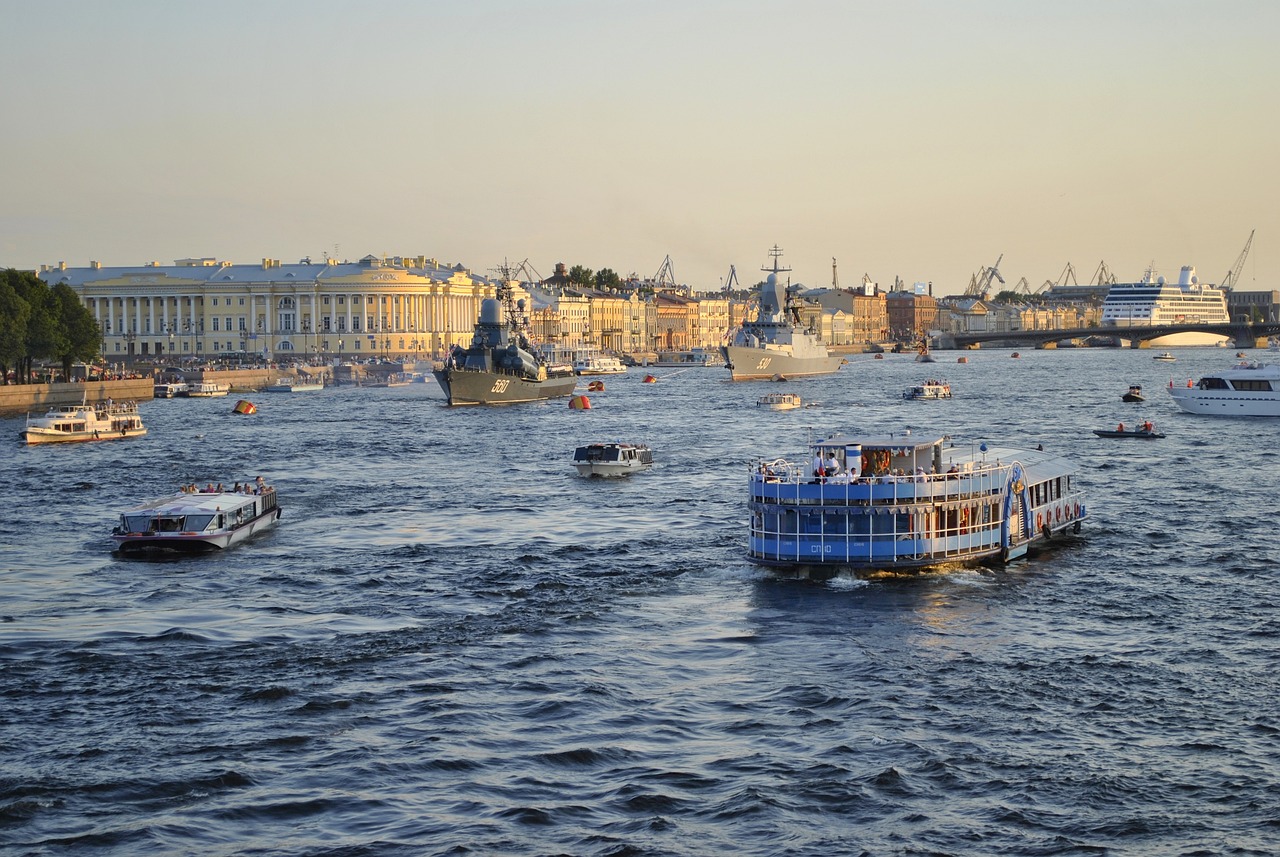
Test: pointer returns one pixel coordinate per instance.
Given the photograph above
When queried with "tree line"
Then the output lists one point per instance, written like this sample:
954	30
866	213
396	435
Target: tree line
42	324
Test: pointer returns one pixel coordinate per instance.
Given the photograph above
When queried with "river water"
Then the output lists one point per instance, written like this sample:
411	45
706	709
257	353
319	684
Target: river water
452	644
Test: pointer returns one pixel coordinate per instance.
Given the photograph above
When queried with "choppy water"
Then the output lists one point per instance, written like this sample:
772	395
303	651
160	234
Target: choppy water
454	645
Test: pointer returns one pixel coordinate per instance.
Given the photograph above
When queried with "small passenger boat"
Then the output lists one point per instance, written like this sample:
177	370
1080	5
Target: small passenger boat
1134	394
1165	357
779	401
932	389
289	384
168	389
888	503
612	459
591	362
193	520
206	390
104	421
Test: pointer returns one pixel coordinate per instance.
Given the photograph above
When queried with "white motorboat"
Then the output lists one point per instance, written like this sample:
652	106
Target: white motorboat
1245	390
289	384
929	390
780	401
206	390
886	502
612	459
1165	357
84	422
168	389
194	520
594	363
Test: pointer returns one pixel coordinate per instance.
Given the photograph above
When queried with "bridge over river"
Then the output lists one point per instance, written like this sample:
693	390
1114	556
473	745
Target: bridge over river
1244	335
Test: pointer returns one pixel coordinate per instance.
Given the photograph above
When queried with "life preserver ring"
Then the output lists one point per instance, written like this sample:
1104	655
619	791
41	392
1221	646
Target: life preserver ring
1059	514
1039	521
1077	511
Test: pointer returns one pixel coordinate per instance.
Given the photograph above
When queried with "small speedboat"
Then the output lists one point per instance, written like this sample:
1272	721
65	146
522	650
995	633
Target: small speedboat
1165	357
612	459
1140	433
1134	394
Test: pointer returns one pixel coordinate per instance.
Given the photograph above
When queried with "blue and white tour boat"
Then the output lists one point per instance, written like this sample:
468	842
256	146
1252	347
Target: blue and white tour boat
886	503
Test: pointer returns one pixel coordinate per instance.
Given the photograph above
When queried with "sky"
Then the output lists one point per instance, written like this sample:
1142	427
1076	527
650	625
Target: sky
906	139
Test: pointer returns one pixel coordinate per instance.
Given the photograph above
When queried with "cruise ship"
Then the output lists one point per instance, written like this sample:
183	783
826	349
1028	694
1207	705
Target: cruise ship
1152	301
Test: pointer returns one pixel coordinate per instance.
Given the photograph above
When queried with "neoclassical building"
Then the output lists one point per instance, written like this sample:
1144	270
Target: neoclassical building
402	306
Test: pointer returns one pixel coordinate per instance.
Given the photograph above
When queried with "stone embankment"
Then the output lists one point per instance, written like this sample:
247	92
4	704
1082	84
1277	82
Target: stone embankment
19	399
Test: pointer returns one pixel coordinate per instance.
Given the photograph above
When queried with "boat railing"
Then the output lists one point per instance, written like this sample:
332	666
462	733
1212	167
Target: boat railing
786	483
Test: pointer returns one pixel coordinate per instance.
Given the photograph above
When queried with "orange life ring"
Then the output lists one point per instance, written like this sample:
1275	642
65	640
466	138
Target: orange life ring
1077	512
1059	514
1039	521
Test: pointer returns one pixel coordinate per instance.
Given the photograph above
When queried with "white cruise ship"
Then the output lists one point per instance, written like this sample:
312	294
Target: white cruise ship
1152	301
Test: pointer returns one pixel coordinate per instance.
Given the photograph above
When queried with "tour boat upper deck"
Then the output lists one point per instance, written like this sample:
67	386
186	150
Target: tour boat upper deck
866	503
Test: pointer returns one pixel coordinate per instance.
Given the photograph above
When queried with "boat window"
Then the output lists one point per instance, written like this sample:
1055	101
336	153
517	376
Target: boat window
135	523
1252	385
198	523
1213	384
171	525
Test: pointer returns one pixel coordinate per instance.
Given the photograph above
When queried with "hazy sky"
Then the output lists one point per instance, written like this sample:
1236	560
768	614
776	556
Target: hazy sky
912	139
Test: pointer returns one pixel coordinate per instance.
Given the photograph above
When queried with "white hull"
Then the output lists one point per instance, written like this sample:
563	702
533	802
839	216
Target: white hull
1183	339
41	435
602	468
1247	390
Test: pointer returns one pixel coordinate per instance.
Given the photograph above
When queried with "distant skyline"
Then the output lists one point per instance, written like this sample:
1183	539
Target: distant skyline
921	140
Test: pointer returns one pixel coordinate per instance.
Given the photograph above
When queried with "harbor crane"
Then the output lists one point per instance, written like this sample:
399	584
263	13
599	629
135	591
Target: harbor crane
1103	276
665	279
980	283
1233	275
731	280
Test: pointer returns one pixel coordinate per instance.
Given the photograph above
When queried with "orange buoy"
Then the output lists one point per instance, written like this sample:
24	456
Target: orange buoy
245	407
1015	354
580	403
650	379
596	387
963	360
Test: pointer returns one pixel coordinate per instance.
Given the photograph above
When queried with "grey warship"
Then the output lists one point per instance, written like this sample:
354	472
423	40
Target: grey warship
775	344
499	367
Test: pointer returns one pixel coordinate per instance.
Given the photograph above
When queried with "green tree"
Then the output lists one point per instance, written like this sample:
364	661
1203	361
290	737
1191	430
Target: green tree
606	279
1009	296
581	276
80	331
15	315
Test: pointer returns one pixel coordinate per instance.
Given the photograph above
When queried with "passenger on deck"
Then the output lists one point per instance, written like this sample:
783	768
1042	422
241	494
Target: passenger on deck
833	466
1120	427
819	469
